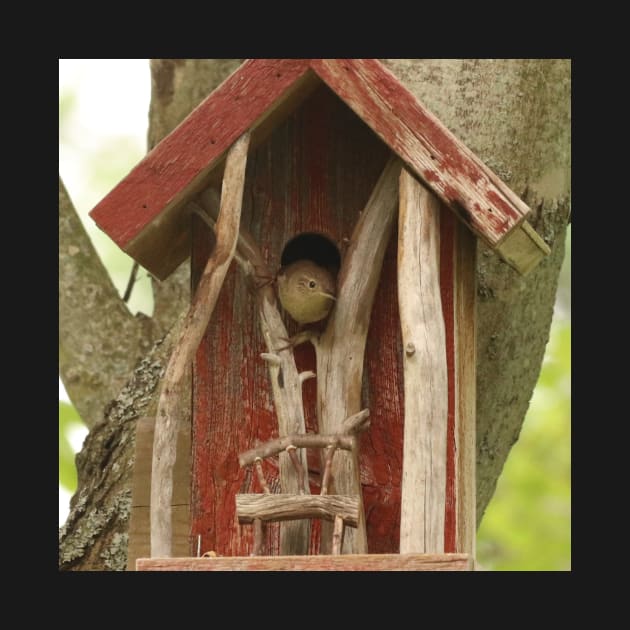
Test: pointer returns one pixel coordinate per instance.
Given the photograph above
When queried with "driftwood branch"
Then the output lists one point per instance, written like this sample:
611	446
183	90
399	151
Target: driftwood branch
423	494
328	459
341	347
261	475
352	425
282	507
168	416
287	391
356	423
337	539
304	440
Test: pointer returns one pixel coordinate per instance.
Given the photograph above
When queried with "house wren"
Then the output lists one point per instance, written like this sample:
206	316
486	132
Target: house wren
306	291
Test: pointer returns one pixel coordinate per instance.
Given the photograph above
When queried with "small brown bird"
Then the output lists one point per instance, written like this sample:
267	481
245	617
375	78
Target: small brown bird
306	291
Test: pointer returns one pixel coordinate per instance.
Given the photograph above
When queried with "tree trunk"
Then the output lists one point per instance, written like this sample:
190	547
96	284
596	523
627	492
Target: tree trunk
515	115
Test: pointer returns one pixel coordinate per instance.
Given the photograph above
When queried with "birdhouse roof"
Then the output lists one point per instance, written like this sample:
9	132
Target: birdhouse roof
146	214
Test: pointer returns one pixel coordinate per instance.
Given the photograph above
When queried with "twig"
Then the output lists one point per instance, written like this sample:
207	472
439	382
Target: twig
301	440
283	375
356	423
330	451
299	469
168	416
305	376
132	281
337	539
261	476
341	347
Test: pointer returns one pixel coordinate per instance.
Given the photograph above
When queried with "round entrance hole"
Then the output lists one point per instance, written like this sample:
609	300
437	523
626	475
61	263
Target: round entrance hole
312	246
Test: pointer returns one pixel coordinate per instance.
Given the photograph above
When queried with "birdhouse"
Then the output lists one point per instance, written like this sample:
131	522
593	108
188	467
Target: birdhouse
342	444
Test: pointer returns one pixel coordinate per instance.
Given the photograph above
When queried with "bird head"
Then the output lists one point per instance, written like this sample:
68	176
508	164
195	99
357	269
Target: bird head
306	291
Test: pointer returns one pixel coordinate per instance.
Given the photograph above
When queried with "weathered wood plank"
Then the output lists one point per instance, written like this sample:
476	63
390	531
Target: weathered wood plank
169	414
423	494
285	507
483	201
286	383
253	98
315	174
355	562
139	521
523	248
465	295
340	350
448	227
309	440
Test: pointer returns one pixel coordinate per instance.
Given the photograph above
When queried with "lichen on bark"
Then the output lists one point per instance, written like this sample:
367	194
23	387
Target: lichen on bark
515	115
96	528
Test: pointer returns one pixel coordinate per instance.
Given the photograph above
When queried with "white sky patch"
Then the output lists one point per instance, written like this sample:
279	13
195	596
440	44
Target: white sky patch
111	98
63	394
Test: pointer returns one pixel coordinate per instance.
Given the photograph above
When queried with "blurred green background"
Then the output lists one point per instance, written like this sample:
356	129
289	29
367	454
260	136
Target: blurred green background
103	116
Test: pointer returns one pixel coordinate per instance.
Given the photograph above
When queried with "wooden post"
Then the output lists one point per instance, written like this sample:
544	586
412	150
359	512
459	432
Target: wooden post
139	521
423	497
286	381
465	294
169	406
340	350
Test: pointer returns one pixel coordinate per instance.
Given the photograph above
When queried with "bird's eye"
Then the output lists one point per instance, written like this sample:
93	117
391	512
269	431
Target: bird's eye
311	284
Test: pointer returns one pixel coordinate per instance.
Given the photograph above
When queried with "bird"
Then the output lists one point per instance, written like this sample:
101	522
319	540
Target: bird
306	291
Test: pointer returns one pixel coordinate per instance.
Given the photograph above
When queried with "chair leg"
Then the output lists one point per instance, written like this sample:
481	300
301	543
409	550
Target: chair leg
337	538
260	530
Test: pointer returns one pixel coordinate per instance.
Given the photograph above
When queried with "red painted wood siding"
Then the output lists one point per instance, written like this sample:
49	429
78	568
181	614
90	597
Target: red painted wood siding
315	173
197	144
145	213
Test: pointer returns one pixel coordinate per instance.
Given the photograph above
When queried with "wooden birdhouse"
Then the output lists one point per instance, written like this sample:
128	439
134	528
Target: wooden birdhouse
354	450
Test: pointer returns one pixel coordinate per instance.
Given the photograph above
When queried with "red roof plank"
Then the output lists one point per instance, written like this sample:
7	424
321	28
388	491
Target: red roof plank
145	214
434	154
190	151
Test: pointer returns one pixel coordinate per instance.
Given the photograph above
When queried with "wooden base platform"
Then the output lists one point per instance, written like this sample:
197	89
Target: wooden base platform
359	562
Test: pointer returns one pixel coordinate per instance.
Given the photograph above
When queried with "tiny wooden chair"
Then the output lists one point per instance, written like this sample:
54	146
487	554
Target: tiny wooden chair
260	508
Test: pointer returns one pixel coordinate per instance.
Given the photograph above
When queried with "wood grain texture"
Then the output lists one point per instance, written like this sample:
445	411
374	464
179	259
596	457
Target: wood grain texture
308	440
144	214
286	387
283	507
355	562
340	350
423	498
205	298
448	226
315	173
523	248
430	150
286	381
465	290
458	291
139	521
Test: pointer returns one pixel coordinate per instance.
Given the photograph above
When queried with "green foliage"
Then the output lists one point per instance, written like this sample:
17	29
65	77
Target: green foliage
69	421
527	526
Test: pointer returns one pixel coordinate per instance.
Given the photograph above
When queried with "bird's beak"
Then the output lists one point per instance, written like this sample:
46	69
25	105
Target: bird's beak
328	295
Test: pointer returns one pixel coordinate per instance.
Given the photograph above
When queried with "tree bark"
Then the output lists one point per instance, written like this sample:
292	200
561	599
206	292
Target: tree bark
95	533
515	115
100	341
177	87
